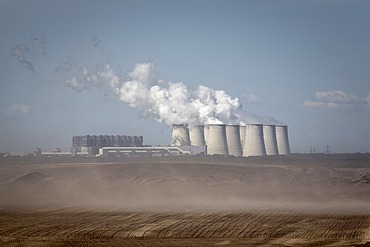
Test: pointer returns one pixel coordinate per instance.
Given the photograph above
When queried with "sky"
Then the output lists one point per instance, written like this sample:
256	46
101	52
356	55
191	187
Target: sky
73	68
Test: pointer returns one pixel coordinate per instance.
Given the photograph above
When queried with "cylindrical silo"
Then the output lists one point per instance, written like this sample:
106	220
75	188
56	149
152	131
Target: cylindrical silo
197	135
269	135
180	135
282	139
254	144
216	140
233	140
206	130
242	134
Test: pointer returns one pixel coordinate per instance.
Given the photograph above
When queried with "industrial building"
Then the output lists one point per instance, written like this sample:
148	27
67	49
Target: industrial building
235	140
90	144
132	146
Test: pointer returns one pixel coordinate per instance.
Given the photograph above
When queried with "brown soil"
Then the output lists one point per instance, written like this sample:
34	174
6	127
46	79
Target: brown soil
184	204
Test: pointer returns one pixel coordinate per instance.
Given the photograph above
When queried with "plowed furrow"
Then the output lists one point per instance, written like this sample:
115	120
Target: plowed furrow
174	229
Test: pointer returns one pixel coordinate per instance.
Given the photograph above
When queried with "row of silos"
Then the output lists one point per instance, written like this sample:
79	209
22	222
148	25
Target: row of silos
248	140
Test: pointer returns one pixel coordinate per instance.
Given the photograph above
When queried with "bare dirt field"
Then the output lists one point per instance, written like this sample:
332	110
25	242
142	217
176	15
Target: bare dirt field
300	201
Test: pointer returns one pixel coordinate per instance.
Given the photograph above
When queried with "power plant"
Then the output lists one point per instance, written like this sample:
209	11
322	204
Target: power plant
234	140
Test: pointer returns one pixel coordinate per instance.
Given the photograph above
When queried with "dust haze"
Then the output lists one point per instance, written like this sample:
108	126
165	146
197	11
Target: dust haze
196	184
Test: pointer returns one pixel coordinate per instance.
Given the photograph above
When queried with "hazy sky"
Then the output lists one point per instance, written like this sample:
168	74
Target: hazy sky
305	63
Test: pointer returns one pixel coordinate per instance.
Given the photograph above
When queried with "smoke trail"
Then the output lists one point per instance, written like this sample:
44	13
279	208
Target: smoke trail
22	53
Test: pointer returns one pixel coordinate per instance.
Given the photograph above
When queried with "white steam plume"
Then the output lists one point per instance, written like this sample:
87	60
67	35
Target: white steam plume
177	103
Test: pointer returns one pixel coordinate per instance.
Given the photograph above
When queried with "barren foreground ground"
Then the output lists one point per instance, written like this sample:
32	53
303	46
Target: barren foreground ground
182	203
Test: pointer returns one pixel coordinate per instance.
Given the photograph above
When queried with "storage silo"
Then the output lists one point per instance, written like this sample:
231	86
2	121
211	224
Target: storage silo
233	140
242	135
282	139
269	135
254	144
180	135
197	135
216	140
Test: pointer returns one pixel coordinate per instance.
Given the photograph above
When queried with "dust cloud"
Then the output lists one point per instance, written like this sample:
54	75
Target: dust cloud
183	186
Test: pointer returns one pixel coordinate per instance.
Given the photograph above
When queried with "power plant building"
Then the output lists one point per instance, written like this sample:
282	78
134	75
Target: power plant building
90	144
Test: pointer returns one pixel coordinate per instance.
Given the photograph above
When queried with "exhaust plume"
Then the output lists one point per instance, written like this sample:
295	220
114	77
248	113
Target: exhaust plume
177	103
166	102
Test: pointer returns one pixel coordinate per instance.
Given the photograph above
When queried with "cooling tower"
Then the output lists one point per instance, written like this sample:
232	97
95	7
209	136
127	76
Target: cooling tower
180	135
233	140
269	135
282	139
206	130
216	140
242	134
197	135
254	144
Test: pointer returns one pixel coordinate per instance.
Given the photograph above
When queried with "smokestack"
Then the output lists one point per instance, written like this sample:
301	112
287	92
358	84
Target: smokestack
180	135
269	135
197	135
233	140
216	140
282	139
242	135
254	144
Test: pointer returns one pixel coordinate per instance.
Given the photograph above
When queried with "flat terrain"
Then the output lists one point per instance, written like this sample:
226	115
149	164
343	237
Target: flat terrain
205	202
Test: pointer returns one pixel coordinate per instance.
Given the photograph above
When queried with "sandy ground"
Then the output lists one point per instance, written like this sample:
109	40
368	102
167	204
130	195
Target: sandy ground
185	204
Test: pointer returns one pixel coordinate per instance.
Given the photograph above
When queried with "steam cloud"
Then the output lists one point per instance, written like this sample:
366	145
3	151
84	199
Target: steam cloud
24	53
77	79
171	102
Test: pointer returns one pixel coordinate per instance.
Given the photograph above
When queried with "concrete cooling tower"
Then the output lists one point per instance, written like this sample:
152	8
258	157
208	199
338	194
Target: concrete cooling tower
233	140
242	134
254	144
180	135
206	131
197	135
269	135
216	140
282	139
